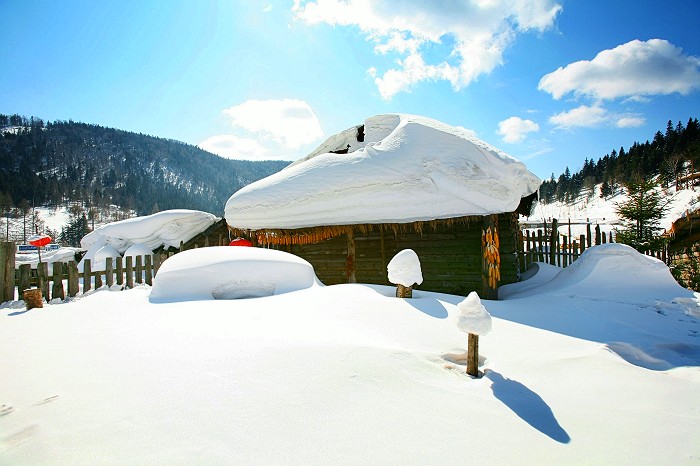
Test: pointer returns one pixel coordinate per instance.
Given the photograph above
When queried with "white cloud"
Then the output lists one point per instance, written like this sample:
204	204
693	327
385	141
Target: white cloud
291	123
630	121
635	70
514	129
233	147
481	31
581	117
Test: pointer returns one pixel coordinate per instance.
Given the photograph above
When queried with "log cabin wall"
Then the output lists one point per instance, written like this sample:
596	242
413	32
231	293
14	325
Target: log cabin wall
451	256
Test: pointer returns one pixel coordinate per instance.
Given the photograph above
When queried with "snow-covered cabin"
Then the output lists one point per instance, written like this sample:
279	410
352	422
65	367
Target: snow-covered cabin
395	182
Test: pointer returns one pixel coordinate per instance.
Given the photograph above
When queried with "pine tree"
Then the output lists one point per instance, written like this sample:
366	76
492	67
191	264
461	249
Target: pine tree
642	214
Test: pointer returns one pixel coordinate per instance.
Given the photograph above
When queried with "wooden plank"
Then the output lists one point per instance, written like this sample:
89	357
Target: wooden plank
42	269
149	269
7	274
138	269
129	270
120	272
25	277
87	275
73	279
98	279
57	290
109	272
554	236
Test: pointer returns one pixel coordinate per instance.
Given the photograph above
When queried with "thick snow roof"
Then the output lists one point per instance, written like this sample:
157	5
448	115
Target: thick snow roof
407	168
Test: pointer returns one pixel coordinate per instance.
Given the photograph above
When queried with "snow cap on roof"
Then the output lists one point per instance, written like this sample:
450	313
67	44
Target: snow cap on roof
397	169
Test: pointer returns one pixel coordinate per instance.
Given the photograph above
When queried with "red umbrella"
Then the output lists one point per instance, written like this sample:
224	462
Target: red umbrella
240	242
39	241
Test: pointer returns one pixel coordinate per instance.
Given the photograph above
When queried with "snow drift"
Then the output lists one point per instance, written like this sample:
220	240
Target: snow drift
407	168
225	272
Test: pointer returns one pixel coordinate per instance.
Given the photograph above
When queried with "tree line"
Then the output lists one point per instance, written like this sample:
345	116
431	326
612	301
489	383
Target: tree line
55	163
673	157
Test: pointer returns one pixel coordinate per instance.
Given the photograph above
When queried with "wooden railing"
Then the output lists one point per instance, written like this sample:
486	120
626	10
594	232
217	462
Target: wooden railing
66	279
550	246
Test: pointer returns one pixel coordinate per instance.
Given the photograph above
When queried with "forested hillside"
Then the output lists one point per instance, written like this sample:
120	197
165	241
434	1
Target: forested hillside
64	161
673	156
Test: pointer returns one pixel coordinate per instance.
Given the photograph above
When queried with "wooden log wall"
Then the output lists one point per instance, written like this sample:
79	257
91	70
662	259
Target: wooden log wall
450	256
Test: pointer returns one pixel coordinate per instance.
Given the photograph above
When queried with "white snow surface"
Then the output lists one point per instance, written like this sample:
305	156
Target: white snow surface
138	249
404	268
348	374
226	272
473	316
408	168
64	254
166	228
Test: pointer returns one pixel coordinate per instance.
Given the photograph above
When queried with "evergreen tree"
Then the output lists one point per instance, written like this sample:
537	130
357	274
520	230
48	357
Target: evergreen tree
641	214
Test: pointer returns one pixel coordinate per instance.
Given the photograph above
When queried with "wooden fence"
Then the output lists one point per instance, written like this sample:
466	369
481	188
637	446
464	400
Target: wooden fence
548	245
66	279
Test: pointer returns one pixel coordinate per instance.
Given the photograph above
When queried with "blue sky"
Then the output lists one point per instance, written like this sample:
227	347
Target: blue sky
551	82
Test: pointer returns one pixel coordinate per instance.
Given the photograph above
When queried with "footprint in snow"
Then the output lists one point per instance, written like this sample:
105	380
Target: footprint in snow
5	410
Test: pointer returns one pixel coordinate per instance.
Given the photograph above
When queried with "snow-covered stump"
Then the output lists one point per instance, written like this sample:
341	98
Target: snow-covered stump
474	320
404	271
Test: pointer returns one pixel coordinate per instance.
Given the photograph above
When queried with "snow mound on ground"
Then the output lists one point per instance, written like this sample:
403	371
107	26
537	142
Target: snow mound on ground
404	268
408	168
64	254
537	274
613	271
224	272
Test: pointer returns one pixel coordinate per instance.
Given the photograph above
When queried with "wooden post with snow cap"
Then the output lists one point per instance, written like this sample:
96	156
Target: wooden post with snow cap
474	320
404	271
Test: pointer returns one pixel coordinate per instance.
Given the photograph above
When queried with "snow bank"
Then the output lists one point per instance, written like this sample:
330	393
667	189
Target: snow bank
610	270
408	168
99	259
404	268
64	254
473	316
225	272
166	228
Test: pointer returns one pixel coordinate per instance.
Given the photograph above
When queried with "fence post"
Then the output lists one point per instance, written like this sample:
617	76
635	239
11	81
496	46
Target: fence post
565	261
73	279
120	272
540	248
582	244
25	280
98	279
57	288
589	236
553	242
149	269
87	275
139	269
7	271
42	270
129	272
109	272
597	234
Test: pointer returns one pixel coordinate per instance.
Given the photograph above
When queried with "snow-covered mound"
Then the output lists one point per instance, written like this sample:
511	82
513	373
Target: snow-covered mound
225	272
407	168
166	228
138	249
99	259
613	271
